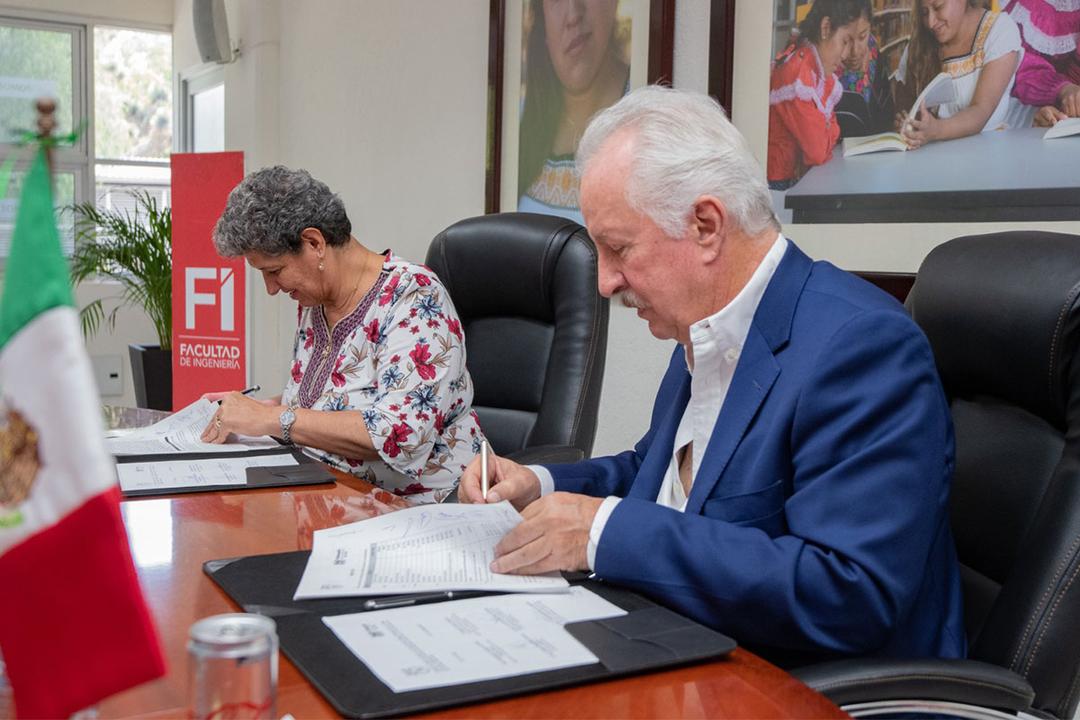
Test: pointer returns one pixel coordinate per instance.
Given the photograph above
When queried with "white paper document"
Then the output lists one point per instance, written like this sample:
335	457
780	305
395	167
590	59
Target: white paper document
463	641
421	549
1063	128
161	475
180	432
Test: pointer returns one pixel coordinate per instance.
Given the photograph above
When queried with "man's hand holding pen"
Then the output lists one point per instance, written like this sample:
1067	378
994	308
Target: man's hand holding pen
554	534
506	481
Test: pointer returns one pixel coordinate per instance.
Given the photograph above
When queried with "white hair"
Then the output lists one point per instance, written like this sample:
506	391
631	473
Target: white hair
684	147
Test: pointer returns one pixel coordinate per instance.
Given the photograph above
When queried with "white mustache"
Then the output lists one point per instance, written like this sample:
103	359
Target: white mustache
631	299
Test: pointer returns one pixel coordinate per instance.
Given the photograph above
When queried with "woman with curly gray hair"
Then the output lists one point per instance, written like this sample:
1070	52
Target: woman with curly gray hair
378	385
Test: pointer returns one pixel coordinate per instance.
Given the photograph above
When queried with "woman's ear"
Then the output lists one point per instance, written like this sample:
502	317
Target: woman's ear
313	238
826	28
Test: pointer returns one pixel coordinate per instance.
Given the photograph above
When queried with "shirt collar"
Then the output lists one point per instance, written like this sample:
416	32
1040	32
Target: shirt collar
728	327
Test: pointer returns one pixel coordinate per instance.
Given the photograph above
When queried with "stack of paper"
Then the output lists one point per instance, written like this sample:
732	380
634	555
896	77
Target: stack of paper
471	640
180	432
422	549
194	473
144	465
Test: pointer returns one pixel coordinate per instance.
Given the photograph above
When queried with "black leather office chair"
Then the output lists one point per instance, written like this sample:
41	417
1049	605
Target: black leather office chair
1003	317
535	330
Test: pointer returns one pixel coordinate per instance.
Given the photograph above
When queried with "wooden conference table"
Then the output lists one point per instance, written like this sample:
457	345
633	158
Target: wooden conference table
171	537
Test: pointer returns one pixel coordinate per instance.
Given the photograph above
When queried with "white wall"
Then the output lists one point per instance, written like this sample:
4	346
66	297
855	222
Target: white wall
385	100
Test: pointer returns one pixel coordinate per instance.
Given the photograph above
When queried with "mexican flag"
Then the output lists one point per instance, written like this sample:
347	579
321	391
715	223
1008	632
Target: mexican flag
74	628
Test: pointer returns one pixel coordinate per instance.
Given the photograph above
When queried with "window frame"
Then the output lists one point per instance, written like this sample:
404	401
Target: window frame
190	83
76	159
81	159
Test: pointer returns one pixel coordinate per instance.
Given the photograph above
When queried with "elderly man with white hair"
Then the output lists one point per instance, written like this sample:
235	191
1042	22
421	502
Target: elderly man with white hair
792	487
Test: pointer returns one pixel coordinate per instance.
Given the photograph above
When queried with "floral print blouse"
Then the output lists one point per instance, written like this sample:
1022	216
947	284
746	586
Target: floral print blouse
398	359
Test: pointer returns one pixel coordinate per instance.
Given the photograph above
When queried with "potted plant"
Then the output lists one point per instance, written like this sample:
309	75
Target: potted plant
133	248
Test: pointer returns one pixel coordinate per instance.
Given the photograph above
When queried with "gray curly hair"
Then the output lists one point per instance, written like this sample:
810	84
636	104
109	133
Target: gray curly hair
271	207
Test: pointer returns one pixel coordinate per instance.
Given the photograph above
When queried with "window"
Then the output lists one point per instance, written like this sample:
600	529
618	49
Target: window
132	115
121	77
42	59
202	110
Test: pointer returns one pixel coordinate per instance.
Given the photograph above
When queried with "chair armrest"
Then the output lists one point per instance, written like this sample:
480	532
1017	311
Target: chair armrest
846	682
544	454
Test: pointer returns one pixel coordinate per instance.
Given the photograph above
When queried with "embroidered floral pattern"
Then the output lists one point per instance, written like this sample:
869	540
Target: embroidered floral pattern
862	82
557	184
398	359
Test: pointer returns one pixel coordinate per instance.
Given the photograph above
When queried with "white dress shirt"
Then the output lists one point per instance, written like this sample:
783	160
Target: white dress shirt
717	343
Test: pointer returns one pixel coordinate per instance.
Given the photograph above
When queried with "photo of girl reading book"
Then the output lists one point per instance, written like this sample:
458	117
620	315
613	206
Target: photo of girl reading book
944	69
939	91
804	90
980	50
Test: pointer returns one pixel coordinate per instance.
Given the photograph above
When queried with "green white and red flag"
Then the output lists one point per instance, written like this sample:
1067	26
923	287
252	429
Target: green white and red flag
74	627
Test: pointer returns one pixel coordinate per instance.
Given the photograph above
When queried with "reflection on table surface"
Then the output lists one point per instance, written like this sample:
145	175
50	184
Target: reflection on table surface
128	417
171	537
316	512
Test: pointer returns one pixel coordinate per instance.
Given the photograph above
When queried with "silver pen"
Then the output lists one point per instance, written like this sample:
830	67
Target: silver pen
420	598
484	482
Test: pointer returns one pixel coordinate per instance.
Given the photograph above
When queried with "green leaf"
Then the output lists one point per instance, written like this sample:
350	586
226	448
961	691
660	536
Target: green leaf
133	248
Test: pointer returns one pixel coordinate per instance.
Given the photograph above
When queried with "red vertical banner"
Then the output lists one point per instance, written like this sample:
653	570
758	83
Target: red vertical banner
209	336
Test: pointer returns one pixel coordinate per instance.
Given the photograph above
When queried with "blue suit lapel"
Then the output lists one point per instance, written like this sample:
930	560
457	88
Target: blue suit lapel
754	377
756	372
653	468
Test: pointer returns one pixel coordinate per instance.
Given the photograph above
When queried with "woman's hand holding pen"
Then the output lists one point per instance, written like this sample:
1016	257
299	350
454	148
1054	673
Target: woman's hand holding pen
241	415
507	481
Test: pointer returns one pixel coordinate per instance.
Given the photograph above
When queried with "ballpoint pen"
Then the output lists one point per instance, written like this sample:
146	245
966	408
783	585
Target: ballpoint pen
484	482
247	391
420	598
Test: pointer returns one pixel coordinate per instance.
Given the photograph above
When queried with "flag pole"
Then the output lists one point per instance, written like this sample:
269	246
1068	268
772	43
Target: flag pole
46	123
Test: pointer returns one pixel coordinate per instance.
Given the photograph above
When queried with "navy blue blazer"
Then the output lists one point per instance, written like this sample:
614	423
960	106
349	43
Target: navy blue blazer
818	521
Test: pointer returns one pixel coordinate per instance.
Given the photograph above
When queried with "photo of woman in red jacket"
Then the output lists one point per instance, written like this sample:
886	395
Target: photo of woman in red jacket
804	90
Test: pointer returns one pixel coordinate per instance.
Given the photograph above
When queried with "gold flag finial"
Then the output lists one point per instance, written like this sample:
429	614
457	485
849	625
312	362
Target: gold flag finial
46	123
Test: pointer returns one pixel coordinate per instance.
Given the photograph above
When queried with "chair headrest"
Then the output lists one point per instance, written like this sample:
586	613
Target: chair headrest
1002	315
504	264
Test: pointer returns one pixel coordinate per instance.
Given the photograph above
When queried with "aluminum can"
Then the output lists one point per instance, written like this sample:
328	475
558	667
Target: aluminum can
232	667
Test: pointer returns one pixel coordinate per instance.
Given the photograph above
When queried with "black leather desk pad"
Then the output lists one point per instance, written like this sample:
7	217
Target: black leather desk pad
649	637
308	472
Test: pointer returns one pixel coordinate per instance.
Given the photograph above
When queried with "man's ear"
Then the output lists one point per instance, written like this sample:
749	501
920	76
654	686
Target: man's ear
313	238
709	225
